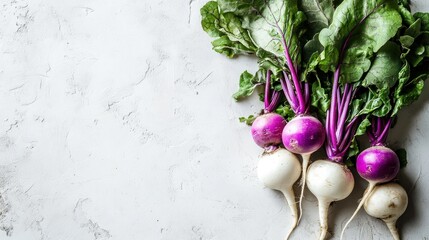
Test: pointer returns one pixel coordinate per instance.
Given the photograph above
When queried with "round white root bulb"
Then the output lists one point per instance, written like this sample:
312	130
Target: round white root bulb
279	170
329	182
387	202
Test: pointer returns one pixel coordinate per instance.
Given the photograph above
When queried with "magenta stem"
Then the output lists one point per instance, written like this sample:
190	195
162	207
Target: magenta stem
379	130
274	101
290	95
333	108
307	96
344	110
383	136
267	96
293	71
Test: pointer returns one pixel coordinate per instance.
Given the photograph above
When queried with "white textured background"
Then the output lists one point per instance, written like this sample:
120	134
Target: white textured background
117	123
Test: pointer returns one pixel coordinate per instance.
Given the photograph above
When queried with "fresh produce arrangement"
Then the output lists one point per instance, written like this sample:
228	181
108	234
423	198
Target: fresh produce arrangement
330	71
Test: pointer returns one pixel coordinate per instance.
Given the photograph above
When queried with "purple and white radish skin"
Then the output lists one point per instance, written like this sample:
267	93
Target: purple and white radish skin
279	170
330	180
387	202
267	130
303	135
377	164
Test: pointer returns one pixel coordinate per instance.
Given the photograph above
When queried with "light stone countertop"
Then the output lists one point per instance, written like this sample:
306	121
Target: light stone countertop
117	123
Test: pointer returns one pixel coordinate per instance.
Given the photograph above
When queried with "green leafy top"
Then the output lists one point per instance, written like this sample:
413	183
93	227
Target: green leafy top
364	26
405	64
230	37
378	47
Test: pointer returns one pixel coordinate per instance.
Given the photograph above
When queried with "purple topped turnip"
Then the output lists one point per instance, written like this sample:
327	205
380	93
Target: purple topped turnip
303	134
359	29
278	168
377	164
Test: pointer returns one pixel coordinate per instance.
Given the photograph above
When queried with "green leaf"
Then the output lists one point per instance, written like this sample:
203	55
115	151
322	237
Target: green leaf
408	90
229	48
403	77
367	25
241	7
424	17
311	48
405	4
406	14
210	19
406	41
383	95
248	120
319	14
363	126
269	61
414	29
366	103
286	111
248	83
320	98
273	23
231	38
385	67
328	58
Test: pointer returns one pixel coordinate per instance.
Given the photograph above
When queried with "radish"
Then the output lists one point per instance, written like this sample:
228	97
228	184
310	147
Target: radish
377	164
387	202
278	168
304	134
303	43
330	180
349	44
267	128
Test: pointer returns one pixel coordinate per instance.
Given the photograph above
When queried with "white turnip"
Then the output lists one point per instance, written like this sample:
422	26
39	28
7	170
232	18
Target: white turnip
387	202
329	182
279	170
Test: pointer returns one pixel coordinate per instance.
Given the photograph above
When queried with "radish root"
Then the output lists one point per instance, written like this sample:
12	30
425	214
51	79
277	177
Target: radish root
290	198
365	197
393	230
323	218
305	161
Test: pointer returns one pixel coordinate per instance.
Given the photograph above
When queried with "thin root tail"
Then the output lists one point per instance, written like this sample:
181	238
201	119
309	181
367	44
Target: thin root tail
305	161
365	197
393	230
290	198
323	218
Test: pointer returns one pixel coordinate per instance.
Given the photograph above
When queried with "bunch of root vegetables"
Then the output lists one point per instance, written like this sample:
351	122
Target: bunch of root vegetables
329	71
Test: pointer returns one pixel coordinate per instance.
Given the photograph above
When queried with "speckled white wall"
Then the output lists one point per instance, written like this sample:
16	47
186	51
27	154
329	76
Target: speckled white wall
117	123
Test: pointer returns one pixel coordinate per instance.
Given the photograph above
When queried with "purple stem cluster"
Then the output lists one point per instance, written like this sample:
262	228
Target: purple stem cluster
297	93
270	99
340	133
379	130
